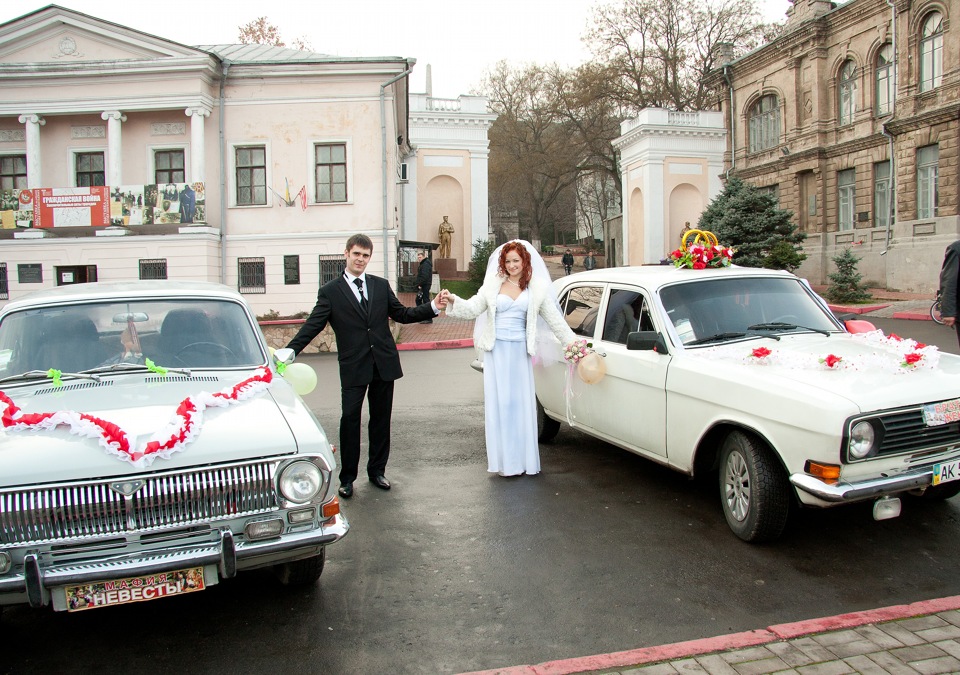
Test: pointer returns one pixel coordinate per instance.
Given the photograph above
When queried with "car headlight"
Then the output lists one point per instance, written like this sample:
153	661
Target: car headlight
300	482
862	439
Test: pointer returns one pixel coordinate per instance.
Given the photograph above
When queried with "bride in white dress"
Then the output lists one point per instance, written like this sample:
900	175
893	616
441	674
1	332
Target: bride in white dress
516	311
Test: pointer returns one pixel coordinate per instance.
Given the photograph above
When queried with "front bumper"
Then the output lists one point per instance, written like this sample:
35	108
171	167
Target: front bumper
33	583
848	492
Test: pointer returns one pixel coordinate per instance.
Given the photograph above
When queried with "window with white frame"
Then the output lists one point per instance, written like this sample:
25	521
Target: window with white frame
931	52
846	198
928	159
89	169
13	172
251	175
764	121
882	195
886	80
847	91
251	275
168	166
330	160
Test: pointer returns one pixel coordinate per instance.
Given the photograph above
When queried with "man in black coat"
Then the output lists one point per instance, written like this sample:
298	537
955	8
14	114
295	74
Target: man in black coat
424	280
357	306
949	274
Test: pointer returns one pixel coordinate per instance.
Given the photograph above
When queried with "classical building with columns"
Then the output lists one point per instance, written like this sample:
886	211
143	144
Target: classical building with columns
284	154
851	118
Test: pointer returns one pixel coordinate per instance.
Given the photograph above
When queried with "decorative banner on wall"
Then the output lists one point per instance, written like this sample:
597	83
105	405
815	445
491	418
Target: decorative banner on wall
71	207
164	204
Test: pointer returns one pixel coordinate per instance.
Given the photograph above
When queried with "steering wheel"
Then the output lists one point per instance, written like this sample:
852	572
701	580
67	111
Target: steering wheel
206	347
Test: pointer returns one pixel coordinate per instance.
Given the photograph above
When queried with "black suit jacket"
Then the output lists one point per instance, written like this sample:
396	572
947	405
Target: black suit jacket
363	338
949	278
425	277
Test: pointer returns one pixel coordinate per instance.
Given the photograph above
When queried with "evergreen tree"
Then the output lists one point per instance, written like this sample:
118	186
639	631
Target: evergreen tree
845	286
750	221
482	250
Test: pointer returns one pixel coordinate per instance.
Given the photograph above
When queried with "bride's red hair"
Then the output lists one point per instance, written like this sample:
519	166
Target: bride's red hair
521	250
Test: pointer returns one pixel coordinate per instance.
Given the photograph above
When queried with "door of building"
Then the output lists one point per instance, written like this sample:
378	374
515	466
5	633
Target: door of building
75	274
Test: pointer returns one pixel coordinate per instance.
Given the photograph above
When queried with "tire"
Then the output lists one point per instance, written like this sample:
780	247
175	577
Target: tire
303	572
754	492
547	428
938	493
935	312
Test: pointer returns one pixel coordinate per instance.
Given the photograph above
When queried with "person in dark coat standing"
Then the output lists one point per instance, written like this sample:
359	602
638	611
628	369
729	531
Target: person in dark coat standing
424	280
357	306
949	273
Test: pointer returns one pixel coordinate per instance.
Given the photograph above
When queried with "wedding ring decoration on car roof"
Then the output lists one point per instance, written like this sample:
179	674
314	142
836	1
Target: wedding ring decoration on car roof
703	251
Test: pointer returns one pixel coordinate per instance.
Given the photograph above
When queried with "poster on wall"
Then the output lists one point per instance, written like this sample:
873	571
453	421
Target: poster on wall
16	209
163	204
71	207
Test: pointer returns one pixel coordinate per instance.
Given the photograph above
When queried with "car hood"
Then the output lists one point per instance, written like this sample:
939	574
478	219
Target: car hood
869	374
254	427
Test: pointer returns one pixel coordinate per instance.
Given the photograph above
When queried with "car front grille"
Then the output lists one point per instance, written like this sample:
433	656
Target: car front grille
905	431
99	509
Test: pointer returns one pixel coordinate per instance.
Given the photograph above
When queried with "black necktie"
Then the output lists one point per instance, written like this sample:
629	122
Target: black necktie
363	298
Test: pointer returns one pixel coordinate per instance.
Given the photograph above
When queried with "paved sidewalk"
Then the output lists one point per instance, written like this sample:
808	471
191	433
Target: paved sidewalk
923	637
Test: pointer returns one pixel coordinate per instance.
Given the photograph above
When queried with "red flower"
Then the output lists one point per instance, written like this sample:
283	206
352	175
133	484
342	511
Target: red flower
920	345
894	336
760	352
699	265
911	359
831	361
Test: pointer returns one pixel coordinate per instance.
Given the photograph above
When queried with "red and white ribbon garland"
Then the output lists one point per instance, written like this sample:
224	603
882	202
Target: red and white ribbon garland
182	429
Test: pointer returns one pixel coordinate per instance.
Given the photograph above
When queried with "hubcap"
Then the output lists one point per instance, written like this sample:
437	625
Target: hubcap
736	486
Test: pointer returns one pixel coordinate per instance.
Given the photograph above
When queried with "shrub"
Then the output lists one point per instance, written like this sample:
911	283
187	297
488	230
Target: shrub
482	249
845	286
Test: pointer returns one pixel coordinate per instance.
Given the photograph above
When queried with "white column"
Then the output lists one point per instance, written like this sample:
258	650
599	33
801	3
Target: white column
34	168
114	146
479	202
197	155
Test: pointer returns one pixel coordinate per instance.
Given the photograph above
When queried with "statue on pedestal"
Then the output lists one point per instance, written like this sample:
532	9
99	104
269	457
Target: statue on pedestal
445	233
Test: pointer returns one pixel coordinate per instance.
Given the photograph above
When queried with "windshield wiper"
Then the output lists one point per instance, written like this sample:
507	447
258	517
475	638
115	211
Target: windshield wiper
45	375
779	325
716	338
133	367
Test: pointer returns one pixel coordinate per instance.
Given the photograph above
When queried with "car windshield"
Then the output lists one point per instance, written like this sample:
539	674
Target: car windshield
712	310
119	336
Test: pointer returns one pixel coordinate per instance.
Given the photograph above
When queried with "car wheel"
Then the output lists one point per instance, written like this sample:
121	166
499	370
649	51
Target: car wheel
547	428
936	493
754	492
301	572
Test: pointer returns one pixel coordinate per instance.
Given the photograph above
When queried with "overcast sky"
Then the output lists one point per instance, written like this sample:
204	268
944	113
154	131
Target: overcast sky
460	40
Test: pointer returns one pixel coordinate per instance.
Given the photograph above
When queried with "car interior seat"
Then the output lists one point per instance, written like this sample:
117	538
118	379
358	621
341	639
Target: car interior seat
182	328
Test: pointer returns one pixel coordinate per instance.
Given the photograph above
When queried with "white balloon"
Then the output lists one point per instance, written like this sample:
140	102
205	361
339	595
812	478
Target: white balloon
301	377
592	368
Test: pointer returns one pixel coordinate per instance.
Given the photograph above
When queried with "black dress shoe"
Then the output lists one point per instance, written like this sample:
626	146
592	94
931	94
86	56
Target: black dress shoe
427	321
346	490
381	482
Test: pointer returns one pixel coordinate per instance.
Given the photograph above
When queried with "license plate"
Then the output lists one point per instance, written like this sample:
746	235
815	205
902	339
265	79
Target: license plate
937	414
134	589
946	472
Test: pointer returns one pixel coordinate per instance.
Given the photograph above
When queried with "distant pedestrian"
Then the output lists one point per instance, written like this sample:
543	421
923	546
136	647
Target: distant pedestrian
424	280
589	262
567	261
949	274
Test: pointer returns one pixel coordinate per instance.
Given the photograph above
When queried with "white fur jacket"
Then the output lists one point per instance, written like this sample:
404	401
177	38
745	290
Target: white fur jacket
486	301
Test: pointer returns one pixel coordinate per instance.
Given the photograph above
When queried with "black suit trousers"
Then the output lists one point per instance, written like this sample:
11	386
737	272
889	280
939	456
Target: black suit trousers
379	395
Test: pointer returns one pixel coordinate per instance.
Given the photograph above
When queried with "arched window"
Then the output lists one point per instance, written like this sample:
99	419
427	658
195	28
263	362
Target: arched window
847	91
886	82
764	120
931	52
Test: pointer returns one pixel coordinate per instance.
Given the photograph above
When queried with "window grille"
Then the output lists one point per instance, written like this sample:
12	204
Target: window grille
153	269
252	275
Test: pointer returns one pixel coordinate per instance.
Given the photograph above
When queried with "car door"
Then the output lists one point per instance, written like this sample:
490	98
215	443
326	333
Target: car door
628	406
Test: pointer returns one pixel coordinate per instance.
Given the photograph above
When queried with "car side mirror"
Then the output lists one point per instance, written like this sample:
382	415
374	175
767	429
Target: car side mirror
284	356
646	340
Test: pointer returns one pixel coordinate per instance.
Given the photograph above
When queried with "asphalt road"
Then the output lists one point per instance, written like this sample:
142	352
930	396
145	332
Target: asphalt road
455	570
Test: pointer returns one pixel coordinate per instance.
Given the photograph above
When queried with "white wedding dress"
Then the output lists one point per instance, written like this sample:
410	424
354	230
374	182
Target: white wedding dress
509	397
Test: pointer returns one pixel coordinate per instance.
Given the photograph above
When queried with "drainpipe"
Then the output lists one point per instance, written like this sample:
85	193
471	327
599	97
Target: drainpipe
383	142
733	120
223	179
891	216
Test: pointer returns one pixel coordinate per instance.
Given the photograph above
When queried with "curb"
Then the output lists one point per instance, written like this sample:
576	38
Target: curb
436	344
753	638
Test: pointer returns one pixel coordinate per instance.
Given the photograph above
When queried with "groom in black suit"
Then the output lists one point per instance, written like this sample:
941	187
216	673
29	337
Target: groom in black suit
357	306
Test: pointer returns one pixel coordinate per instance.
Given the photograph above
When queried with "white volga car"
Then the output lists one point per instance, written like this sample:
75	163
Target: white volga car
149	448
746	373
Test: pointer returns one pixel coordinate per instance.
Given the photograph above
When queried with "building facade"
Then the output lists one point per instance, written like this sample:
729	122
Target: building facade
248	165
851	118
